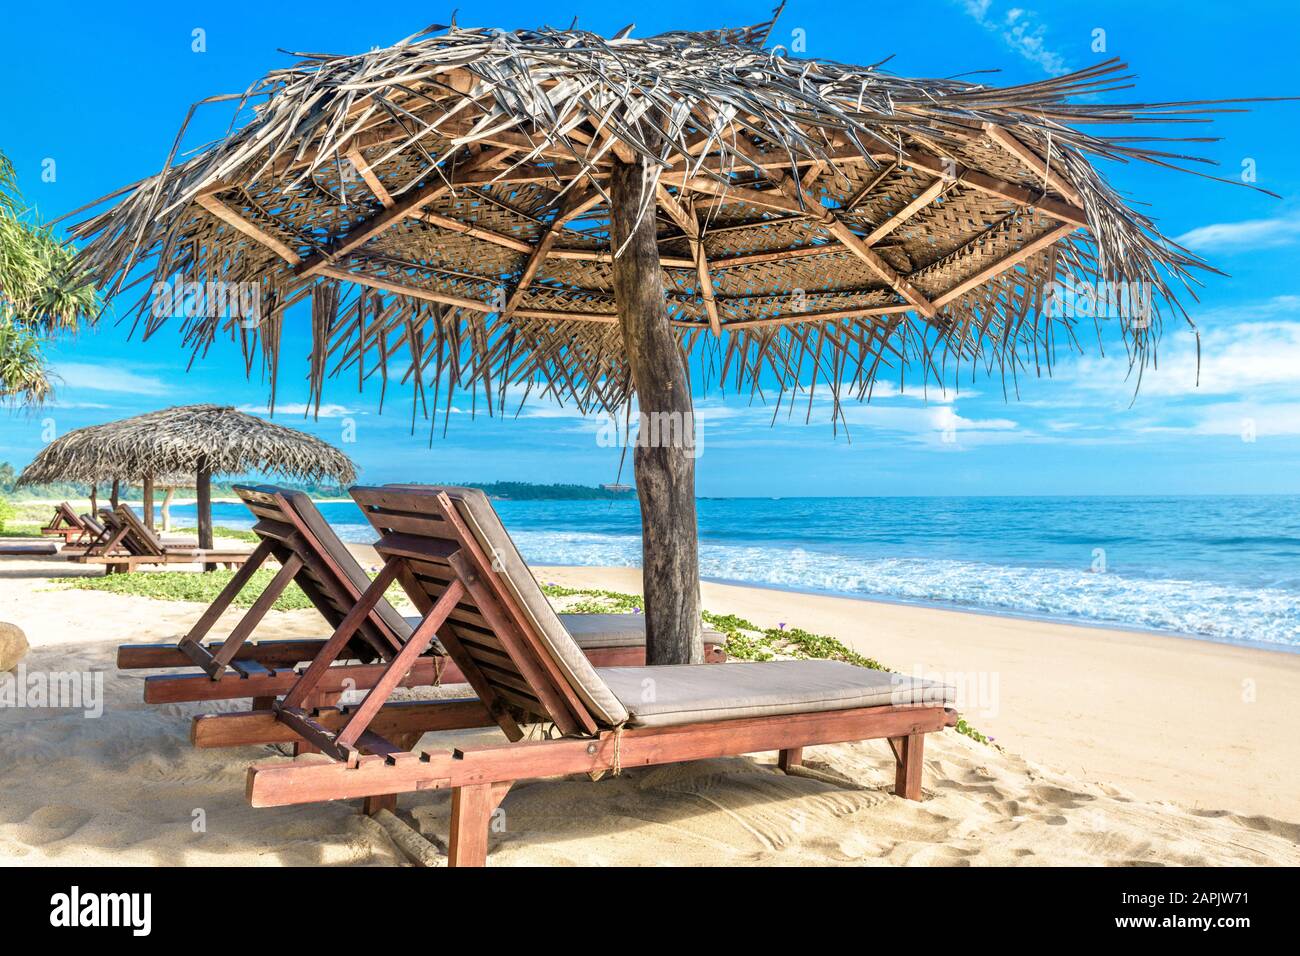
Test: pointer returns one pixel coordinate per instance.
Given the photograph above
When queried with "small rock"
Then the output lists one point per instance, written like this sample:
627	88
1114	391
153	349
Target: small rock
13	646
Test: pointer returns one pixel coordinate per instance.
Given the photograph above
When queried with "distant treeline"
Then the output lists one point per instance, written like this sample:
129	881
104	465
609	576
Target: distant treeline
517	490
526	491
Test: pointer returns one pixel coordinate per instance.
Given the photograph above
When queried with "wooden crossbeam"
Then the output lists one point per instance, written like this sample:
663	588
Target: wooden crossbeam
387	285
575	203
408	204
1032	161
1005	263
767	198
830	220
688	221
366	173
923	199
823	315
1066	212
227	215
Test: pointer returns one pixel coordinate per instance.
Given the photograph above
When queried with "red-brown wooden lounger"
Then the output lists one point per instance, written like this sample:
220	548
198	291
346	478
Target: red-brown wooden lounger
496	624
130	542
293	532
66	523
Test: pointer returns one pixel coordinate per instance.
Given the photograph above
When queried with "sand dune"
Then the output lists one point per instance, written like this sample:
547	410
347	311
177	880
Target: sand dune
126	788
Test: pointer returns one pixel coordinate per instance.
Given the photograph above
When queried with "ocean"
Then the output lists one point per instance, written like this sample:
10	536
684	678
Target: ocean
1219	567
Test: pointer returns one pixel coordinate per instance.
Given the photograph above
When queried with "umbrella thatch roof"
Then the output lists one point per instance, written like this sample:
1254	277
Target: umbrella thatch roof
181	441
445	201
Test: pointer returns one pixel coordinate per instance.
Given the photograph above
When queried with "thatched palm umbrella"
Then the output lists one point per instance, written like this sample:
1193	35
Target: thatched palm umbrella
477	208
199	440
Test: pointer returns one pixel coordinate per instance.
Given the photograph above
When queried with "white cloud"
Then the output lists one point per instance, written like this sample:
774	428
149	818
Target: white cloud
1250	233
1235	358
109	378
1020	31
327	410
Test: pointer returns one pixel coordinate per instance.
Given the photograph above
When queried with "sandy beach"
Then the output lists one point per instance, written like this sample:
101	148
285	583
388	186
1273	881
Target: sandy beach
1112	748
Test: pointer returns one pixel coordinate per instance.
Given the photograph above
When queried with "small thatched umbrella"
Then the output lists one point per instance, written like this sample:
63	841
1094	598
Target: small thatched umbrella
479	208
199	440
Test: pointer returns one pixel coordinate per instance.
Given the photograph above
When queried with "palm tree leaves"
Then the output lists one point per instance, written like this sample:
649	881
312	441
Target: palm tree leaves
42	293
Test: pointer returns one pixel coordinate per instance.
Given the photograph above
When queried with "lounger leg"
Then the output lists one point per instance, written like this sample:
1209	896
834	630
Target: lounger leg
471	813
790	758
908	754
373	805
471	808
262	703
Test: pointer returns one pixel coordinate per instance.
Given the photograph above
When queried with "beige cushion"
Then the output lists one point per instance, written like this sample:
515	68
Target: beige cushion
607	630
691	693
617	630
477	512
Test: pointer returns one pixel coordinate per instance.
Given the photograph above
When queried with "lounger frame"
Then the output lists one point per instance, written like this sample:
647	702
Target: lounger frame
129	543
66	523
234	667
365	750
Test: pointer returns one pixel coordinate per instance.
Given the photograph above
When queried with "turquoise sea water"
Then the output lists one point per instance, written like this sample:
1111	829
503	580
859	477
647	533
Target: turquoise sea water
1226	568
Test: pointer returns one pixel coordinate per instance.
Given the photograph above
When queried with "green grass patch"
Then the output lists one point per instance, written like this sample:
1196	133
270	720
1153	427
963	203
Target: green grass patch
21	529
235	534
200	587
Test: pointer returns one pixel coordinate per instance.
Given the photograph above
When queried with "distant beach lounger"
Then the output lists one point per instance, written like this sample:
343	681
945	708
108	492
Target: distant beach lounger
295	534
449	551
128	542
66	523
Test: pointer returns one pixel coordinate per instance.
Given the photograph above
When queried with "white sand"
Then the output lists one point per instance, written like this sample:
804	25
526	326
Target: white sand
1117	771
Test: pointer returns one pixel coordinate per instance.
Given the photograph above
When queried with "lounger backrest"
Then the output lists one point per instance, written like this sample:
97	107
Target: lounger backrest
116	530
65	512
330	576
535	665
139	539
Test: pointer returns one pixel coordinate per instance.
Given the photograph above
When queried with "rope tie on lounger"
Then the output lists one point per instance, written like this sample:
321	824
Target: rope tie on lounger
618	755
439	665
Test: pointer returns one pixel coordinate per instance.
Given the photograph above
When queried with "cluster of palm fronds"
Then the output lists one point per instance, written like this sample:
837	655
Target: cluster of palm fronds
42	293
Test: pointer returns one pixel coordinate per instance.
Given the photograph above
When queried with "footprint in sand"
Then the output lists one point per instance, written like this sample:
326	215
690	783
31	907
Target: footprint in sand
51	824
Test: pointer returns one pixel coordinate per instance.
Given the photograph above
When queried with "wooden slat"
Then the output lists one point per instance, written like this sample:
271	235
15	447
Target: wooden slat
282	783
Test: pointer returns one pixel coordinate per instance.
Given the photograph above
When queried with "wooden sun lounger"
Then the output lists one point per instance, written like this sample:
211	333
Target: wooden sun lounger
66	523
93	539
293	533
496	625
129	542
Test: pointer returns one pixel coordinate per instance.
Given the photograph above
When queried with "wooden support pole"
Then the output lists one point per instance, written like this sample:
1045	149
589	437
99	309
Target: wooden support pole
113	494
146	495
203	502
664	460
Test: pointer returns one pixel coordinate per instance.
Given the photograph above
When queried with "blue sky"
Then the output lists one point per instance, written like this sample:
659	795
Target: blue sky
102	92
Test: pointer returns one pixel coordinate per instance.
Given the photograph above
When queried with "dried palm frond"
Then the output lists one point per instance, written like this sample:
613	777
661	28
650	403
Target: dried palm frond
178	441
